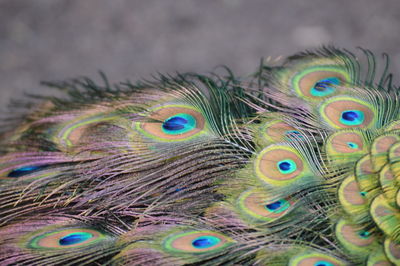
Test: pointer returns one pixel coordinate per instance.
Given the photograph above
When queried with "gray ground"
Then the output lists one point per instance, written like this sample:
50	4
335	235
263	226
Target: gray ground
52	40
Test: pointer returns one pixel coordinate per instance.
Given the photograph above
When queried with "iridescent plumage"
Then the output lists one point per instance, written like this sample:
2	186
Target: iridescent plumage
297	164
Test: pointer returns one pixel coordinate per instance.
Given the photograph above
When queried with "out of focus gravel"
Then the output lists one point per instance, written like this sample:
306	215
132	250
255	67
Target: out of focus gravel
52	40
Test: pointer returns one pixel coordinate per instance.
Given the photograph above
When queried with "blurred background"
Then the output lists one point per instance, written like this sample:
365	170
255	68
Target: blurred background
132	39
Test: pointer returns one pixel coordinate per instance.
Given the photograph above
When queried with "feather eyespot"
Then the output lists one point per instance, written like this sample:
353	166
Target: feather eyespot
196	242
347	112
67	238
392	250
318	82
279	164
346	145
354	239
315	259
73	131
26	170
277	131
256	205
173	123
350	194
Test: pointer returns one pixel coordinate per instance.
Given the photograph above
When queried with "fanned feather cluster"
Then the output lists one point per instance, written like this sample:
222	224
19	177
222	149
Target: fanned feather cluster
296	164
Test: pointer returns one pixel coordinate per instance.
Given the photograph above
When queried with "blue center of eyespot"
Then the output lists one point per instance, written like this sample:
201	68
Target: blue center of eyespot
352	117
278	206
287	166
363	193
364	234
205	242
74	238
25	170
179	124
323	263
352	145
325	87
284	166
175	123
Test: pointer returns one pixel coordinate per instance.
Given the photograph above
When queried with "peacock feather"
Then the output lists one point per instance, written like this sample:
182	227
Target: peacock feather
295	164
